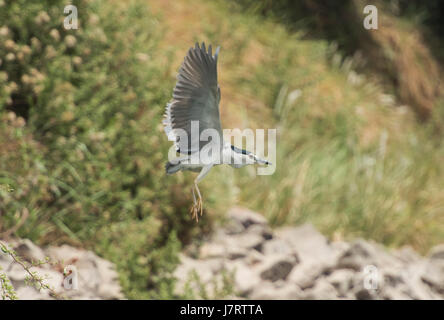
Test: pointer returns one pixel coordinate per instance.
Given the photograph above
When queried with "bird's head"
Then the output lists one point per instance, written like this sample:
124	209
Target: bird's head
248	157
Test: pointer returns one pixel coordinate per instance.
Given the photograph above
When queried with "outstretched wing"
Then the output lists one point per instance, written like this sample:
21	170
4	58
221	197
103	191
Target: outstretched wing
195	98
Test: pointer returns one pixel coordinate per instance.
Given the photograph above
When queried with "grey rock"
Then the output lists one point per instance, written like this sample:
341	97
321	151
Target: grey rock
359	255
211	250
97	278
29	251
366	294
254	257
268	291
308	243
300	263
407	255
245	241
276	246
5	261
234	253
246	217
437	252
434	275
64	254
277	267
305	274
342	281
323	290
245	278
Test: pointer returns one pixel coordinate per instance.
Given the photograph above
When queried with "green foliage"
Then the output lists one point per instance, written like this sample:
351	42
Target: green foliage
91	155
7	291
33	279
217	288
144	274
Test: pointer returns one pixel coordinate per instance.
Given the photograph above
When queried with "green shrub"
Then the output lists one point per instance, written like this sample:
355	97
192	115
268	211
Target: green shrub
88	166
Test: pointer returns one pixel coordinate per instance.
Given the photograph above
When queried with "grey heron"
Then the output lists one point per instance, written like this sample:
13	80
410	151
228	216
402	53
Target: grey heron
196	98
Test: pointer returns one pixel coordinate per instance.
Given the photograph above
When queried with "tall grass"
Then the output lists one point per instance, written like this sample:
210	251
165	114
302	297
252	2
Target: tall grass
351	163
351	158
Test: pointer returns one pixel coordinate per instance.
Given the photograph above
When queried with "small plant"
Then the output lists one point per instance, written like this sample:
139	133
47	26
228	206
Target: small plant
219	287
32	279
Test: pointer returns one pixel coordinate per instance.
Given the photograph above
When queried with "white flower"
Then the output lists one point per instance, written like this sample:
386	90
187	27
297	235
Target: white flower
4	31
9	44
10	57
70	41
54	33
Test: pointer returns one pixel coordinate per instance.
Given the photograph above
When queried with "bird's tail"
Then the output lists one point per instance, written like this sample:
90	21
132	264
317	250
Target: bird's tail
171	168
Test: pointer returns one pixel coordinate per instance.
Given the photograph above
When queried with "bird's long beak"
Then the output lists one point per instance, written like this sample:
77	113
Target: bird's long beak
263	162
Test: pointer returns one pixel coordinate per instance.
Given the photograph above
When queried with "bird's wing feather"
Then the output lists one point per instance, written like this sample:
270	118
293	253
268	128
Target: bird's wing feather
195	98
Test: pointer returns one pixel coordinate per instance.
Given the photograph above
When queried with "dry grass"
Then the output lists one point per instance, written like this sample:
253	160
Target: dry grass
402	53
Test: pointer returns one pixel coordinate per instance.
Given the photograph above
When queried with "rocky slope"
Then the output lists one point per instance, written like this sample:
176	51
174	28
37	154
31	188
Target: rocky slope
96	277
300	263
250	261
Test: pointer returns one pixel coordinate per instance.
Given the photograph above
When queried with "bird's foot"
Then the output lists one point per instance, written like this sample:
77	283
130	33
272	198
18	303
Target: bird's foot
197	206
196	209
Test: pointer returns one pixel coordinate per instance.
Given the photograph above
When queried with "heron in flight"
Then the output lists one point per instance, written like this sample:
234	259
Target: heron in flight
196	98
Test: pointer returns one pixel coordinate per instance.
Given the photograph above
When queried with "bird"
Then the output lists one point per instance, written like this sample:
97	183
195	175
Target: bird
196	98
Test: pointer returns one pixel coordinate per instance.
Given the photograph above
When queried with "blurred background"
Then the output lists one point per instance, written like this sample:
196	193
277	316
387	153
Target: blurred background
359	114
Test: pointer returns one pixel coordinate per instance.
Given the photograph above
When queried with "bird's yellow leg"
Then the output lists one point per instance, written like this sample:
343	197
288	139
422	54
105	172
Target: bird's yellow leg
198	204
199	200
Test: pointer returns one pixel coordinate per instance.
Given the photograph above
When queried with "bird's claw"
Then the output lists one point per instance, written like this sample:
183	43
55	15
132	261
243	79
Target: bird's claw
196	209
197	206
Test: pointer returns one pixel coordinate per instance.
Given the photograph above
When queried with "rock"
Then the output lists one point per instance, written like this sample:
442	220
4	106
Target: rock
211	250
277	267
254	257
300	263
245	241
245	279
365	294
308	243
29	251
246	217
342	281
110	291
323	290
407	255
16	273
234	253
363	289
233	227
359	255
261	230
394	294
29	293
97	278
305	274
5	261
276	246
64	254
268	291
437	252
434	275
